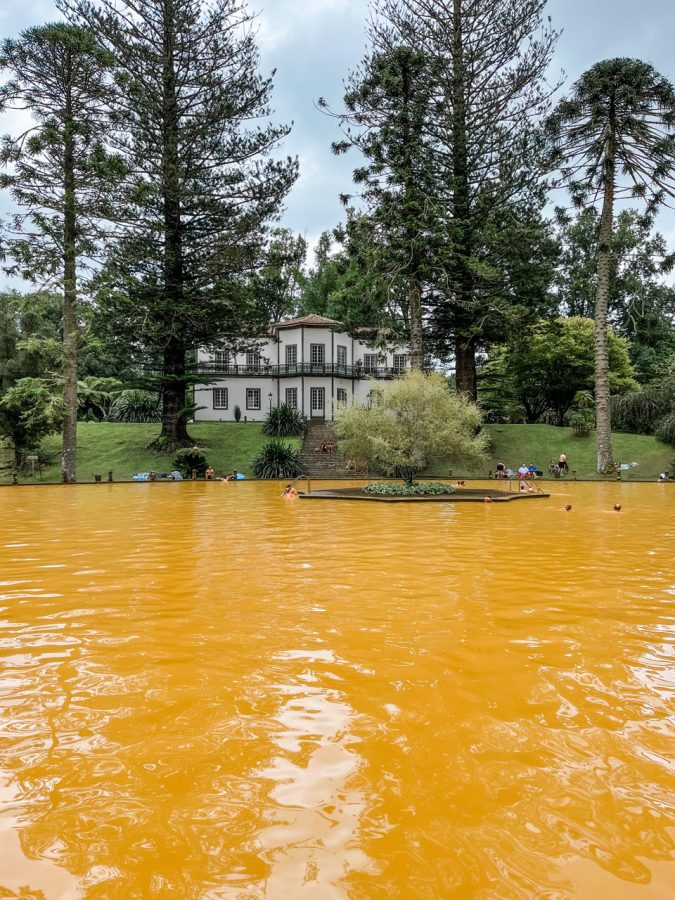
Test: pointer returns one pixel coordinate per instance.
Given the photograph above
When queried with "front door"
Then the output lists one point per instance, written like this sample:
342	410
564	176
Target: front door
318	401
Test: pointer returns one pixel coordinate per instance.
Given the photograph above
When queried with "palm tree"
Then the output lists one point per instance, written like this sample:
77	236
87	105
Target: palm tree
615	138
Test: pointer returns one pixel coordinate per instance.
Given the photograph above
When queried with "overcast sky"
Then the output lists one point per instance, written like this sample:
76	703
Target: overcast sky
313	44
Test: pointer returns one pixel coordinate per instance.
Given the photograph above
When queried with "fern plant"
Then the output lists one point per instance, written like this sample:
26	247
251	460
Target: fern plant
136	406
278	459
284	421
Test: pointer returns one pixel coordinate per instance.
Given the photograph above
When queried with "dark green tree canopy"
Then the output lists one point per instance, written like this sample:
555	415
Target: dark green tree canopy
61	77
192	120
618	124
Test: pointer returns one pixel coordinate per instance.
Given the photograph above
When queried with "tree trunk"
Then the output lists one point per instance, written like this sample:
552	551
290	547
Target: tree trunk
465	366
416	340
465	342
70	331
415	289
174	433
174	420
603	418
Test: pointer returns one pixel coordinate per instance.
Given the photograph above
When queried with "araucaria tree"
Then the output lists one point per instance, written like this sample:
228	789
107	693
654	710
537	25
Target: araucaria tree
615	137
415	420
477	102
59	175
193	124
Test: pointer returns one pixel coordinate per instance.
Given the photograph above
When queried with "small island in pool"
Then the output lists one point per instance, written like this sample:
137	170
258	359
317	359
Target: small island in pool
422	492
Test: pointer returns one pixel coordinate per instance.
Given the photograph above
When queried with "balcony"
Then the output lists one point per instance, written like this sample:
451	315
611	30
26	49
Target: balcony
290	371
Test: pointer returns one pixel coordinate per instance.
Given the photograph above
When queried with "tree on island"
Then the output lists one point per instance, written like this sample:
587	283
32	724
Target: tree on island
192	121
61	177
412	421
615	137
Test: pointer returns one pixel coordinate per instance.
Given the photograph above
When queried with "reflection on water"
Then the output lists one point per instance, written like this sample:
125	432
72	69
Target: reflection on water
207	692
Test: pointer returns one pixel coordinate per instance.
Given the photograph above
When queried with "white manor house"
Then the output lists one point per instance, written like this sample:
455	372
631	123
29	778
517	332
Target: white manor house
309	363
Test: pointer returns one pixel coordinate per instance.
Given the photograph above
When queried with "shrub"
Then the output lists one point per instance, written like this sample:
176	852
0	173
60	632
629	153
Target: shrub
666	429
136	406
278	460
639	412
190	460
237	413
414	489
284	421
581	421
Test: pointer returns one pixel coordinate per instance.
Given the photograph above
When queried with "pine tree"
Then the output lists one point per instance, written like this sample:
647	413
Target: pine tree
387	105
59	175
615	137
487	61
191	121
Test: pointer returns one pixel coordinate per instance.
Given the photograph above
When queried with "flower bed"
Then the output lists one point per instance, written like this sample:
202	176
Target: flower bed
416	489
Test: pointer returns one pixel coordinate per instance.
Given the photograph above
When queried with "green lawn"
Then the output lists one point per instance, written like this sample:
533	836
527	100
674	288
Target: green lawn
122	448
103	446
537	445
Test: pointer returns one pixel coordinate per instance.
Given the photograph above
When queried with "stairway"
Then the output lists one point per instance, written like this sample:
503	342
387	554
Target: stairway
322	465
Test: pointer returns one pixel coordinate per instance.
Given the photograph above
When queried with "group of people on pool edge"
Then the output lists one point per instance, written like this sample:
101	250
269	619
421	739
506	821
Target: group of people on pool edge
532	472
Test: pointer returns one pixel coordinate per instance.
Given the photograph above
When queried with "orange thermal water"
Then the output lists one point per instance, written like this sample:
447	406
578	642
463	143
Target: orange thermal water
209	692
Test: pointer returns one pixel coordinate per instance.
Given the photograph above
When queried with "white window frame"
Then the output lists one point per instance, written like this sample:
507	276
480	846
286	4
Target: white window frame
400	362
342	396
251	398
253	361
218	394
317	350
291	351
369	362
221	358
292	397
341	351
317	392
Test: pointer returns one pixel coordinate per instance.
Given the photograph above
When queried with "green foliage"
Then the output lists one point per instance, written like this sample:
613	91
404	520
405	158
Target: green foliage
278	459
412	489
665	430
545	367
639	412
237	413
630	100
581	421
641	306
96	397
136	406
190	460
29	411
418	419
30	345
642	412
284	421
193	124
279	281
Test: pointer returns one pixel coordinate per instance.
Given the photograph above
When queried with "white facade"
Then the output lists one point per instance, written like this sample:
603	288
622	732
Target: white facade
307	362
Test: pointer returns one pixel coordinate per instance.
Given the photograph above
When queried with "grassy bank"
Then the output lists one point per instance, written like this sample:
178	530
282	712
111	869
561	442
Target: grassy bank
123	448
537	445
104	446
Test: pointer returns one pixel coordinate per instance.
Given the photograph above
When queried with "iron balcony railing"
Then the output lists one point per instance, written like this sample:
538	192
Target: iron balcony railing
211	368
